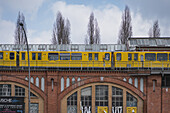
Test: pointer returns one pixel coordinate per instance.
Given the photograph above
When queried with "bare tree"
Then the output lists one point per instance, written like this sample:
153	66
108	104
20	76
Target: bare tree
86	40
66	39
126	27
97	33
90	30
61	30
155	30
93	32
19	33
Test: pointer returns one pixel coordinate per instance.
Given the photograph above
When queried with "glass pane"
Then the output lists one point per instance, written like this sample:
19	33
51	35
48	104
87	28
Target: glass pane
150	56
162	56
33	56
76	56
118	56
23	56
107	56
129	56
1	55
136	56
96	56
39	56
12	56
64	56
90	56
52	56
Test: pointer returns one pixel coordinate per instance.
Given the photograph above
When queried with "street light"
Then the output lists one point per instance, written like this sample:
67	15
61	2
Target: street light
21	24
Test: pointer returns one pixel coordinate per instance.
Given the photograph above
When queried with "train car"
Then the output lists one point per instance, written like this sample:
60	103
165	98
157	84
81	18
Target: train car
56	59
145	59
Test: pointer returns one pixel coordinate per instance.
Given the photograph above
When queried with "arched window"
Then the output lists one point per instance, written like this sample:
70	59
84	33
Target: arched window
130	80
68	82
37	82
72	103
62	84
78	79
136	82
141	84
26	78
32	80
42	83
73	80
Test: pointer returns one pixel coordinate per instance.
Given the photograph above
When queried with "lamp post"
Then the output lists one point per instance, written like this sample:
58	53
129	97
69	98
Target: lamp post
21	24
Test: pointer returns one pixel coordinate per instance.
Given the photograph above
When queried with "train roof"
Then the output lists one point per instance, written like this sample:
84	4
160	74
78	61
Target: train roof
62	47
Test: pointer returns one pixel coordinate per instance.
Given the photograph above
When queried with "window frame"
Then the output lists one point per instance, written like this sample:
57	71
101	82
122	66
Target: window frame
76	56
23	54
53	56
64	56
90	56
120	57
1	56
33	56
107	58
146	57
39	56
136	57
129	56
163	57
12	57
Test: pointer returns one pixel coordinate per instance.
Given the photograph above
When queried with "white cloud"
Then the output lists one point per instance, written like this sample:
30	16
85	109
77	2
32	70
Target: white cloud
108	20
29	6
37	37
7	31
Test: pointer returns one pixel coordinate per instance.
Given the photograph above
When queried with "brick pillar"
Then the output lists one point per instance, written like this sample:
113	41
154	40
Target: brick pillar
154	97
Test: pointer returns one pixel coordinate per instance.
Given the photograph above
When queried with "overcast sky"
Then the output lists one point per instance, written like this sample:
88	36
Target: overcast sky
41	14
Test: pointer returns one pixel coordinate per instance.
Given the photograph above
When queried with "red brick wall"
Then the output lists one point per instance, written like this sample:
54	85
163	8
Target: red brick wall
165	100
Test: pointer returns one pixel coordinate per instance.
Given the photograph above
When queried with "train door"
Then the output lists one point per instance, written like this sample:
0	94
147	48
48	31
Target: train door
141	59
93	60
17	59
112	60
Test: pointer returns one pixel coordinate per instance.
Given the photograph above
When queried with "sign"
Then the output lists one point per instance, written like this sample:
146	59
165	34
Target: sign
117	109
131	109
12	105
34	108
85	109
102	109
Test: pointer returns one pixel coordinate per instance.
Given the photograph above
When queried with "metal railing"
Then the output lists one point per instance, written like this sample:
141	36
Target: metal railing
86	65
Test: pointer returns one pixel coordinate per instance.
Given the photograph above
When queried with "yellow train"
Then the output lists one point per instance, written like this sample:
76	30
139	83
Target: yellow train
85	60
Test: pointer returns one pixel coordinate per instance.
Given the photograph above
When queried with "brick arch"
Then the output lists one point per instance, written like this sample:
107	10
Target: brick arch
10	78
105	80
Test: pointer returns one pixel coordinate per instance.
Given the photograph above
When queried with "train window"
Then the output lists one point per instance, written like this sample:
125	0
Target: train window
33	56
136	57
23	56
1	55
150	56
162	57
64	56
129	56
90	56
96	56
12	56
39	56
76	56
107	56
52	56
118	56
